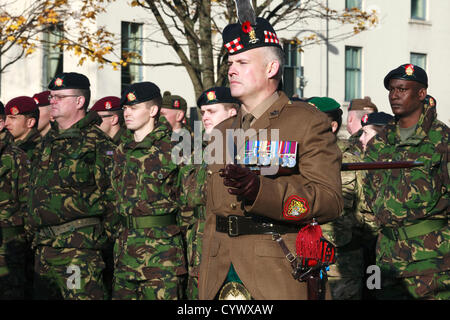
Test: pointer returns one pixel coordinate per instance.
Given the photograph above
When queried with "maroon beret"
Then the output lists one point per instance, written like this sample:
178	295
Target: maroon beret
42	98
109	103
20	105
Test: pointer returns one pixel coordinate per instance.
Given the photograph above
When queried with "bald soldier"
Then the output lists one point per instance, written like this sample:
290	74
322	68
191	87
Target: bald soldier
240	257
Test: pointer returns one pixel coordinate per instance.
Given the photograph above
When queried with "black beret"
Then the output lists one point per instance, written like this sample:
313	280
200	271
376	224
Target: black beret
238	37
140	92
171	101
408	72
69	80
2	108
376	118
216	95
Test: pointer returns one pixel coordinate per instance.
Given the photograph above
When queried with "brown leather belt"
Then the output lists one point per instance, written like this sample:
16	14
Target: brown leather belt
236	226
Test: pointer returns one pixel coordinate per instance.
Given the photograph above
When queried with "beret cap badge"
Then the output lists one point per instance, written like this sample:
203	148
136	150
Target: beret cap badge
176	104
211	95
409	70
14	110
365	118
131	96
108	105
58	82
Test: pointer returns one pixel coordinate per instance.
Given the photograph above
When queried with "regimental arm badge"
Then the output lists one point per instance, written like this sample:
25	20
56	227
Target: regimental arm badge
295	208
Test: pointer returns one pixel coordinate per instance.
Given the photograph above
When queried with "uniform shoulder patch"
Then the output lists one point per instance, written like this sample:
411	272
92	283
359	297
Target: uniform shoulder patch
295	208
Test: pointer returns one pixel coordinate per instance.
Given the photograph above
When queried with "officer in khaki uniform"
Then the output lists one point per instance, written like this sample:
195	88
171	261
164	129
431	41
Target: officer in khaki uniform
243	209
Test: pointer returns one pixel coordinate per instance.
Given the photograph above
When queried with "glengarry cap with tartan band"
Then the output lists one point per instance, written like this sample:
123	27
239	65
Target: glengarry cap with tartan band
20	105
171	101
376	118
239	37
69	80
408	72
109	103
216	95
140	92
42	98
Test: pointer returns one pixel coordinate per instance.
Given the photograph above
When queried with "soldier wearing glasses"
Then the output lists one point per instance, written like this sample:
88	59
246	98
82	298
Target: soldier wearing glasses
69	196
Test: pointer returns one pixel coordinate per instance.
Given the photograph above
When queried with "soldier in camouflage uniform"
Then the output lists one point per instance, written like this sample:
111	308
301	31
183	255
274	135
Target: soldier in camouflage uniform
411	205
43	103
346	276
69	196
149	261
13	197
113	124
22	117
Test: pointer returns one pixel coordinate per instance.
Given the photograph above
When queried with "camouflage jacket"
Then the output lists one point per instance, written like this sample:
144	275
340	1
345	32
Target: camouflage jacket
70	177
120	136
29	144
403	197
340	231
145	182
13	183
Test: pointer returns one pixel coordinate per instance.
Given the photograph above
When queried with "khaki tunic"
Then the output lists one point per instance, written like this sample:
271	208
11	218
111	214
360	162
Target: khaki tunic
257	259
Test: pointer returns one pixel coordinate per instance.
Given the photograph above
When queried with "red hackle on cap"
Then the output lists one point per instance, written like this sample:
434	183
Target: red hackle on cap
308	243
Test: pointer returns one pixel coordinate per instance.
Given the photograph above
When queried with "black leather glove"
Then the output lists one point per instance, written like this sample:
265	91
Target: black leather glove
241	180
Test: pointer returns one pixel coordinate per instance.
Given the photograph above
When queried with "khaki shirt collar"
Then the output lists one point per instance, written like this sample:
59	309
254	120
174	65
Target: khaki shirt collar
262	107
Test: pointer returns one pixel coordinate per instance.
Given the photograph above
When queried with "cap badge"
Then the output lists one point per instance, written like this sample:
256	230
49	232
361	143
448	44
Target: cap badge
211	95
176	103
247	28
14	110
131	96
108	105
36	100
295	208
59	82
365	118
409	70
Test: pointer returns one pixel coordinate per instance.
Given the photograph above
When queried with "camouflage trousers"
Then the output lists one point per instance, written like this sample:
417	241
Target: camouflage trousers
194	250
68	273
346	277
13	268
433	286
155	289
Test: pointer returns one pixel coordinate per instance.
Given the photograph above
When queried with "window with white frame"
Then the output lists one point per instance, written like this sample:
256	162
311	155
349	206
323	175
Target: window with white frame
419	59
418	9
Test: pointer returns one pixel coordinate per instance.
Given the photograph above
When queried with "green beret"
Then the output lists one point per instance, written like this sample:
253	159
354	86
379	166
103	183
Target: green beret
408	72
173	102
324	104
69	80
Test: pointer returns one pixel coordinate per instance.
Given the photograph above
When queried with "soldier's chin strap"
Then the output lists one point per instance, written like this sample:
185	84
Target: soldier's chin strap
314	255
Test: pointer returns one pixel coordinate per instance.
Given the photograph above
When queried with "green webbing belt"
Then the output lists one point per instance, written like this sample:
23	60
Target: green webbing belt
149	221
419	229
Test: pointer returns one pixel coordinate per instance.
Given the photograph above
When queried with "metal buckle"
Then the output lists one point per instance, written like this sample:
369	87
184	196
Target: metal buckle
232	219
290	257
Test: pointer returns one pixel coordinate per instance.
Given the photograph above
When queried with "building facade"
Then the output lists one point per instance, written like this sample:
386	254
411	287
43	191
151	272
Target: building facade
409	31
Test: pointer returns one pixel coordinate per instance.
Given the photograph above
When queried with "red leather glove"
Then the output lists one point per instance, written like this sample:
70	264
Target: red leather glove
241	180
